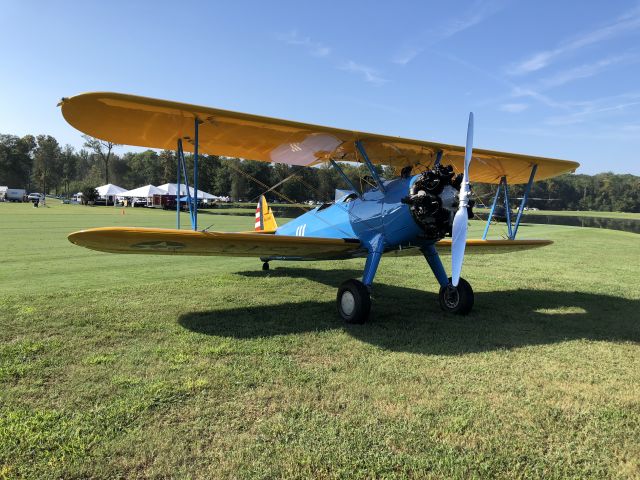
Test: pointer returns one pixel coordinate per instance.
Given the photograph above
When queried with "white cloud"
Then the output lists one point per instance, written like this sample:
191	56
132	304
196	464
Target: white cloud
587	70
631	128
405	55
514	107
535	91
477	13
317	49
518	92
314	48
589	110
369	74
623	132
625	23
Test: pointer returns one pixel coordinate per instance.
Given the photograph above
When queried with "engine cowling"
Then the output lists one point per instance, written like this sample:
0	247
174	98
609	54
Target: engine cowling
433	201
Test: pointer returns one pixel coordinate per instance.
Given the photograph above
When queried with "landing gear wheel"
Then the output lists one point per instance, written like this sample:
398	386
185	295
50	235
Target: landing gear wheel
265	266
457	300
354	302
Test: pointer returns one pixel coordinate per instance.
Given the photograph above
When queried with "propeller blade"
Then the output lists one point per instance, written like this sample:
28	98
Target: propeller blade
468	150
458	243
460	221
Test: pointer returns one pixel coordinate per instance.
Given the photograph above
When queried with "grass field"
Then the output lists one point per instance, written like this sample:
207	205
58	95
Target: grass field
194	367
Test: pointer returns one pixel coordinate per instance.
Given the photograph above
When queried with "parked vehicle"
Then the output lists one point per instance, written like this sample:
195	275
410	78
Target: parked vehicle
35	196
16	194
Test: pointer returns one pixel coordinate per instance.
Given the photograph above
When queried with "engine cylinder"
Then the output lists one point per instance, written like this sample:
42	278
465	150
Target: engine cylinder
433	200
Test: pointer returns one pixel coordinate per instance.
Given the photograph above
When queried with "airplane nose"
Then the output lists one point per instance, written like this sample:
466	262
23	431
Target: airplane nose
432	200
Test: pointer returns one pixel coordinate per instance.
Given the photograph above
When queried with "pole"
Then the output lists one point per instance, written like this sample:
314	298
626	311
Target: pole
195	176
178	178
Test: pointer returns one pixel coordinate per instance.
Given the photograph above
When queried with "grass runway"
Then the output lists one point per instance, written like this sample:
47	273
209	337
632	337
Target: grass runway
206	367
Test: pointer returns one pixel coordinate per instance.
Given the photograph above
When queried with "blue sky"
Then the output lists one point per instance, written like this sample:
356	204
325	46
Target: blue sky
558	79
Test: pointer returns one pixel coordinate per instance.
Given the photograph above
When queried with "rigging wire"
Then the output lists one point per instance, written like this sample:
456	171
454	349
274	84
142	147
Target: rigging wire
251	177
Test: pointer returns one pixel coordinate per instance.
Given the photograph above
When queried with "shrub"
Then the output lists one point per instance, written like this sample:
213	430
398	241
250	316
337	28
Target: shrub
89	194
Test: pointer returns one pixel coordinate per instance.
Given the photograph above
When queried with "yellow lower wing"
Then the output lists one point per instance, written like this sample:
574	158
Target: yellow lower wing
476	246
165	241
493	246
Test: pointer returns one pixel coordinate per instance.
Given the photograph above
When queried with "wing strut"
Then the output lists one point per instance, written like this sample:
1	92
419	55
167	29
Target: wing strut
512	229
182	167
344	177
438	158
370	166
527	189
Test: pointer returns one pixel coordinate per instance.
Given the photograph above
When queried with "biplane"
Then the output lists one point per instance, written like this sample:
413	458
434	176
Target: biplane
424	209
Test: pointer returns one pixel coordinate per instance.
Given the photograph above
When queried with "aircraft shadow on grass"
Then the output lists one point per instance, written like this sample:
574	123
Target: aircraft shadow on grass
410	320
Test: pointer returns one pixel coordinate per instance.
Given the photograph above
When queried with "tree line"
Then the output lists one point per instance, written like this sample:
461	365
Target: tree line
608	192
40	163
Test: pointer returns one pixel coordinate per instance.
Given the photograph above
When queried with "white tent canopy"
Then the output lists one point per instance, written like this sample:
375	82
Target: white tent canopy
143	192
171	188
110	190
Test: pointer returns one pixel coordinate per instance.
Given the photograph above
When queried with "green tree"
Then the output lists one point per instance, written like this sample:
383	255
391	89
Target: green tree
143	168
221	181
102	149
238	180
169	165
46	162
69	163
15	160
89	194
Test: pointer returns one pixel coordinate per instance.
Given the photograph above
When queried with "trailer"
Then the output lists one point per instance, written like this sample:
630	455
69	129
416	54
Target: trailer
165	201
15	195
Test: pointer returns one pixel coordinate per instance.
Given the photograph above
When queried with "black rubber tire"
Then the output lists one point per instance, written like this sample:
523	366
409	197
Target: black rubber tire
265	266
353	302
457	300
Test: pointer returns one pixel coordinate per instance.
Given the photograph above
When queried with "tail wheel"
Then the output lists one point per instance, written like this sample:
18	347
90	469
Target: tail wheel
457	300
265	266
354	302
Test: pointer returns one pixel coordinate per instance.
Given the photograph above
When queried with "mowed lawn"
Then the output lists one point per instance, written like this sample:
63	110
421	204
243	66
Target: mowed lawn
206	367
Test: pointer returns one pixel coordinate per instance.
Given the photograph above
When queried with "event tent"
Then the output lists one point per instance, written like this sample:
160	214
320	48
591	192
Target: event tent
110	190
147	191
171	188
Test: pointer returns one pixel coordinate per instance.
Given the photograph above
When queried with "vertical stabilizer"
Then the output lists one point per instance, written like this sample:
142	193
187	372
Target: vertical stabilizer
265	221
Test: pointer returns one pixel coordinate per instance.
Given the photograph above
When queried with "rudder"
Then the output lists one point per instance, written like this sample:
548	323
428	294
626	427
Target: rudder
265	220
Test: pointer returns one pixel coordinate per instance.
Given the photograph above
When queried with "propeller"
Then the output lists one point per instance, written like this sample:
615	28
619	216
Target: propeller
461	219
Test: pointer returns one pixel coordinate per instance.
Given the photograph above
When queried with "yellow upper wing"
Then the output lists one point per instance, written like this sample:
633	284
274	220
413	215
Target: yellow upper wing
148	122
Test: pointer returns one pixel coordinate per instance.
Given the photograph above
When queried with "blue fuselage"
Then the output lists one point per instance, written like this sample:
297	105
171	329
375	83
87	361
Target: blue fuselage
376	217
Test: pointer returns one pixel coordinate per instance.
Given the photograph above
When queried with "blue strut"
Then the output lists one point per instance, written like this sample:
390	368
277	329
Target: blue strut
493	207
194	213
433	259
524	200
376	249
370	166
178	178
